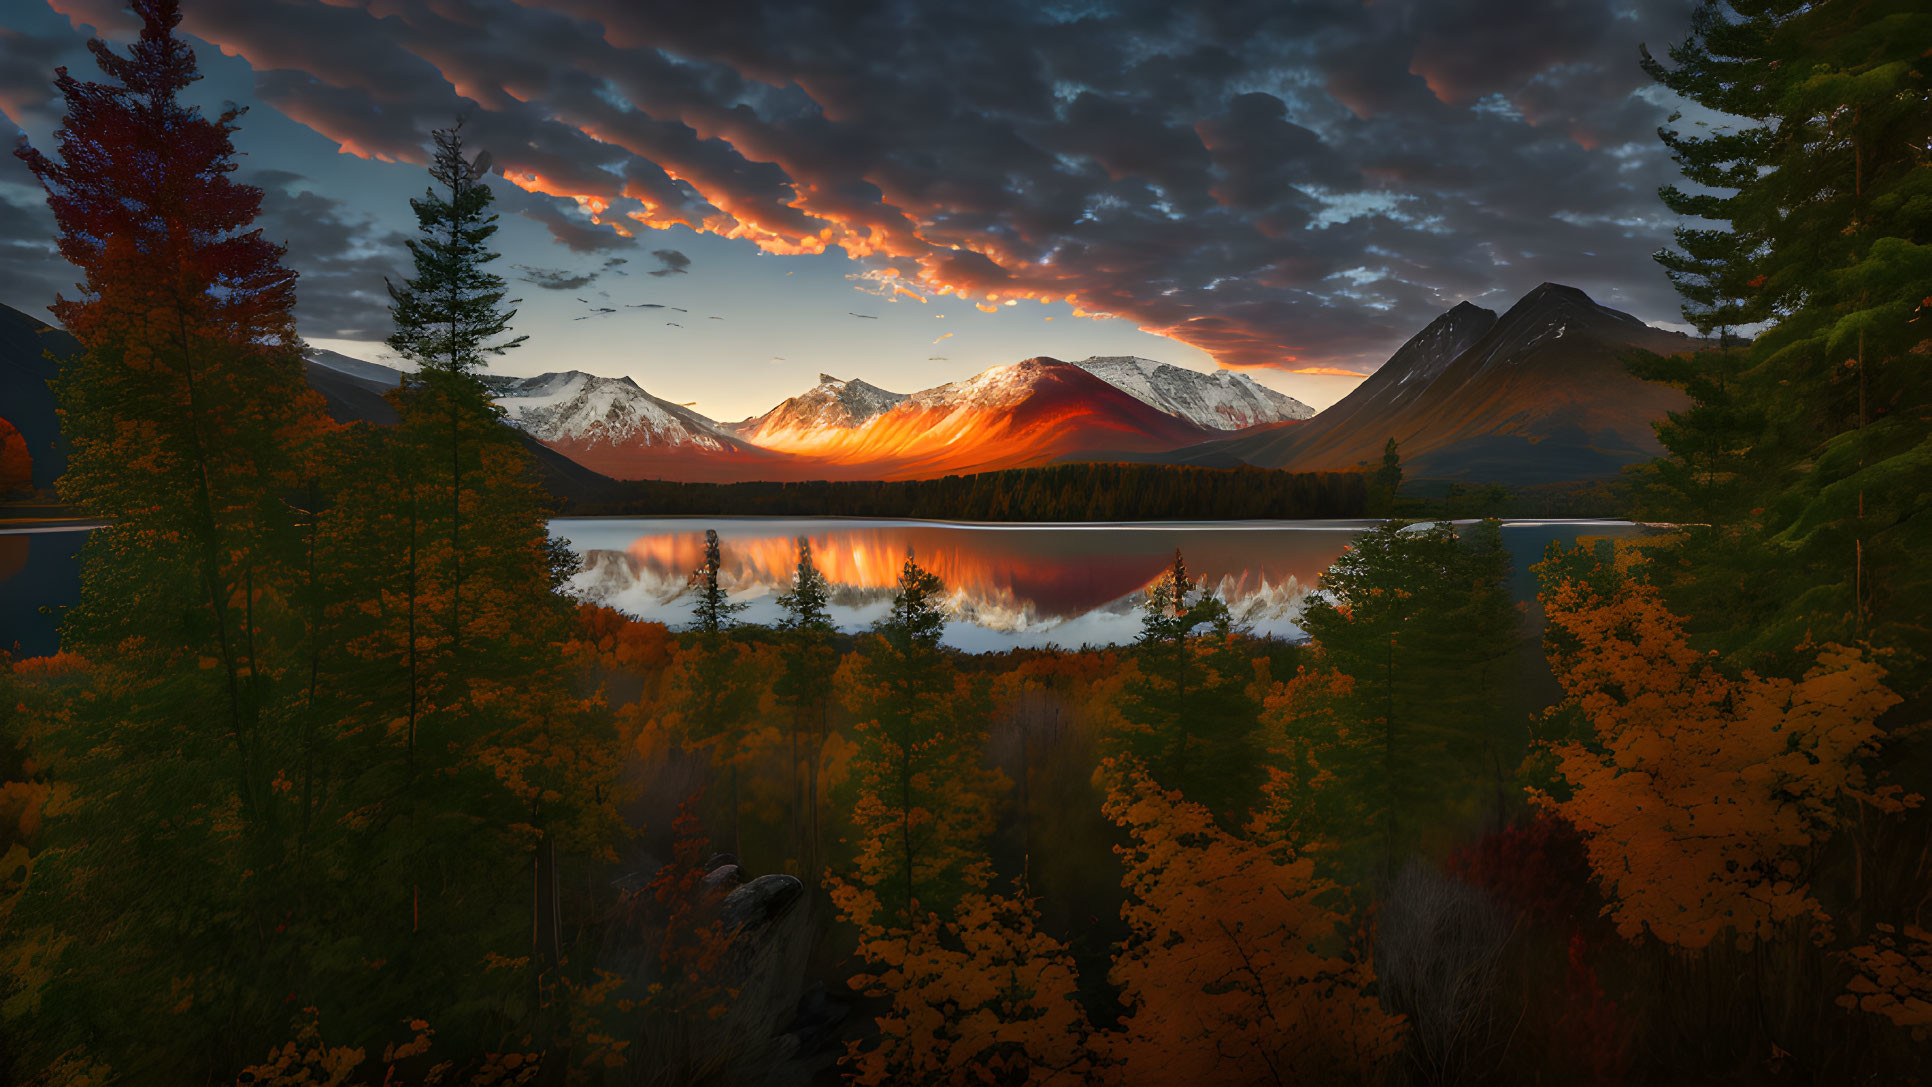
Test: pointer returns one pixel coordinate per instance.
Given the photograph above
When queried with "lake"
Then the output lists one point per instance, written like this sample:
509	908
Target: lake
1009	585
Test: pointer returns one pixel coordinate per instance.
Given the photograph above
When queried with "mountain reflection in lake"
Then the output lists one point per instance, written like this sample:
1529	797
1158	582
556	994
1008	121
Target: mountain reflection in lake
1007	585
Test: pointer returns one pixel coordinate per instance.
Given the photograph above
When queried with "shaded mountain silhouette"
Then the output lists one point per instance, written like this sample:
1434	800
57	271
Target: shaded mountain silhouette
353	390
1538	395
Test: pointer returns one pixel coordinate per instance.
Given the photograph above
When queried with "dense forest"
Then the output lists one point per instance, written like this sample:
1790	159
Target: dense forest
330	784
1061	492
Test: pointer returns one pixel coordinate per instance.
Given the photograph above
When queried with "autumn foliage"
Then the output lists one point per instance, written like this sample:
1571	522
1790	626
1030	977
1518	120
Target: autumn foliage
1240	967
330	755
1699	793
980	997
16	463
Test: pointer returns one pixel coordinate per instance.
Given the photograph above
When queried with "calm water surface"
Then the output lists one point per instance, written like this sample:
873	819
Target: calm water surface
1008	585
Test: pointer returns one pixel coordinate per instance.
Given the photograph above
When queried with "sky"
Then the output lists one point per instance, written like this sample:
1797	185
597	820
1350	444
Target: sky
910	191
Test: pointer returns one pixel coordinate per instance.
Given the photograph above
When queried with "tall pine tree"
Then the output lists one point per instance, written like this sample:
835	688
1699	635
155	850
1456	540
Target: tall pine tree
1420	624
1815	197
718	688
179	849
925	802
448	318
804	687
1189	719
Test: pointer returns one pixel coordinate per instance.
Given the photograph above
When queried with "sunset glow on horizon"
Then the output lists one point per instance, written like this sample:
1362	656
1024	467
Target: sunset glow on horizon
1270	210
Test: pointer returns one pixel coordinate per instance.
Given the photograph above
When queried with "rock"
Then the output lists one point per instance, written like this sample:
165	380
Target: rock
759	903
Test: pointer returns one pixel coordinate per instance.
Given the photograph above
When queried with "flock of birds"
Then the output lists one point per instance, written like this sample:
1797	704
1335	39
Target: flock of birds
604	311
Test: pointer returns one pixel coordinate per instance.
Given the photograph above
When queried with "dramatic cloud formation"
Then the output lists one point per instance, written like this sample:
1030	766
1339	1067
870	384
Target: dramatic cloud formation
341	257
26	91
1288	183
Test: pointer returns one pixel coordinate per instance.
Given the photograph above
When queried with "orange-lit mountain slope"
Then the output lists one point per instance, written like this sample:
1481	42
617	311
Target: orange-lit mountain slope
1020	414
1025	413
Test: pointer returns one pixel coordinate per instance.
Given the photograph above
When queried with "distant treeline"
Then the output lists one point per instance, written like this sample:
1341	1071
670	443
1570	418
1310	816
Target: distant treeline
1061	492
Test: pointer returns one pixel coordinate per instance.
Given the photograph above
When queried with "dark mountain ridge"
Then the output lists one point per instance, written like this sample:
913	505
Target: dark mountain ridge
351	388
1538	395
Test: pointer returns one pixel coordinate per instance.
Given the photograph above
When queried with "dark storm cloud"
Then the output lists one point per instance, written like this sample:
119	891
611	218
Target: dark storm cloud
27	63
674	263
1297	183
340	256
32	270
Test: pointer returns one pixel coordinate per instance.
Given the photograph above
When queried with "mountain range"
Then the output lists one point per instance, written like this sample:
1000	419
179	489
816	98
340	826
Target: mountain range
1537	394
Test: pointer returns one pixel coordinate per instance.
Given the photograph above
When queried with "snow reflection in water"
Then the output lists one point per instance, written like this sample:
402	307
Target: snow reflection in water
1008	585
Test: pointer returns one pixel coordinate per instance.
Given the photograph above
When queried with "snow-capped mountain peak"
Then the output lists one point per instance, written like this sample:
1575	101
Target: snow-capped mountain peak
1223	400
832	404
993	387
587	410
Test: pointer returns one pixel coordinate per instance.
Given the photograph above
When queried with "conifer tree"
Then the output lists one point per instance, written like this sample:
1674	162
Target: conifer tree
1420	624
1386	483
1190	721
717	714
925	802
804	687
1817	188
711	607
448	318
185	723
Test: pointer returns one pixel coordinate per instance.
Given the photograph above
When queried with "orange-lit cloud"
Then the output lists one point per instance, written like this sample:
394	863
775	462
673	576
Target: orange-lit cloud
1190	211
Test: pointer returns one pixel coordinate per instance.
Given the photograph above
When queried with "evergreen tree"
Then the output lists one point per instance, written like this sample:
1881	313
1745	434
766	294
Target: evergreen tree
1818	192
924	803
804	687
720	693
1189	720
447	316
711	608
1386	483
1421	626
183	715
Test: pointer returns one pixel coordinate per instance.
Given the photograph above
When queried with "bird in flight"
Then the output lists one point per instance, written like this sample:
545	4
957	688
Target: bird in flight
867	316
674	324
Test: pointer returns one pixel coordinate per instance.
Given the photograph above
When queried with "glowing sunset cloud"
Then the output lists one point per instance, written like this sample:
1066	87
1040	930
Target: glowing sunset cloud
1132	163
